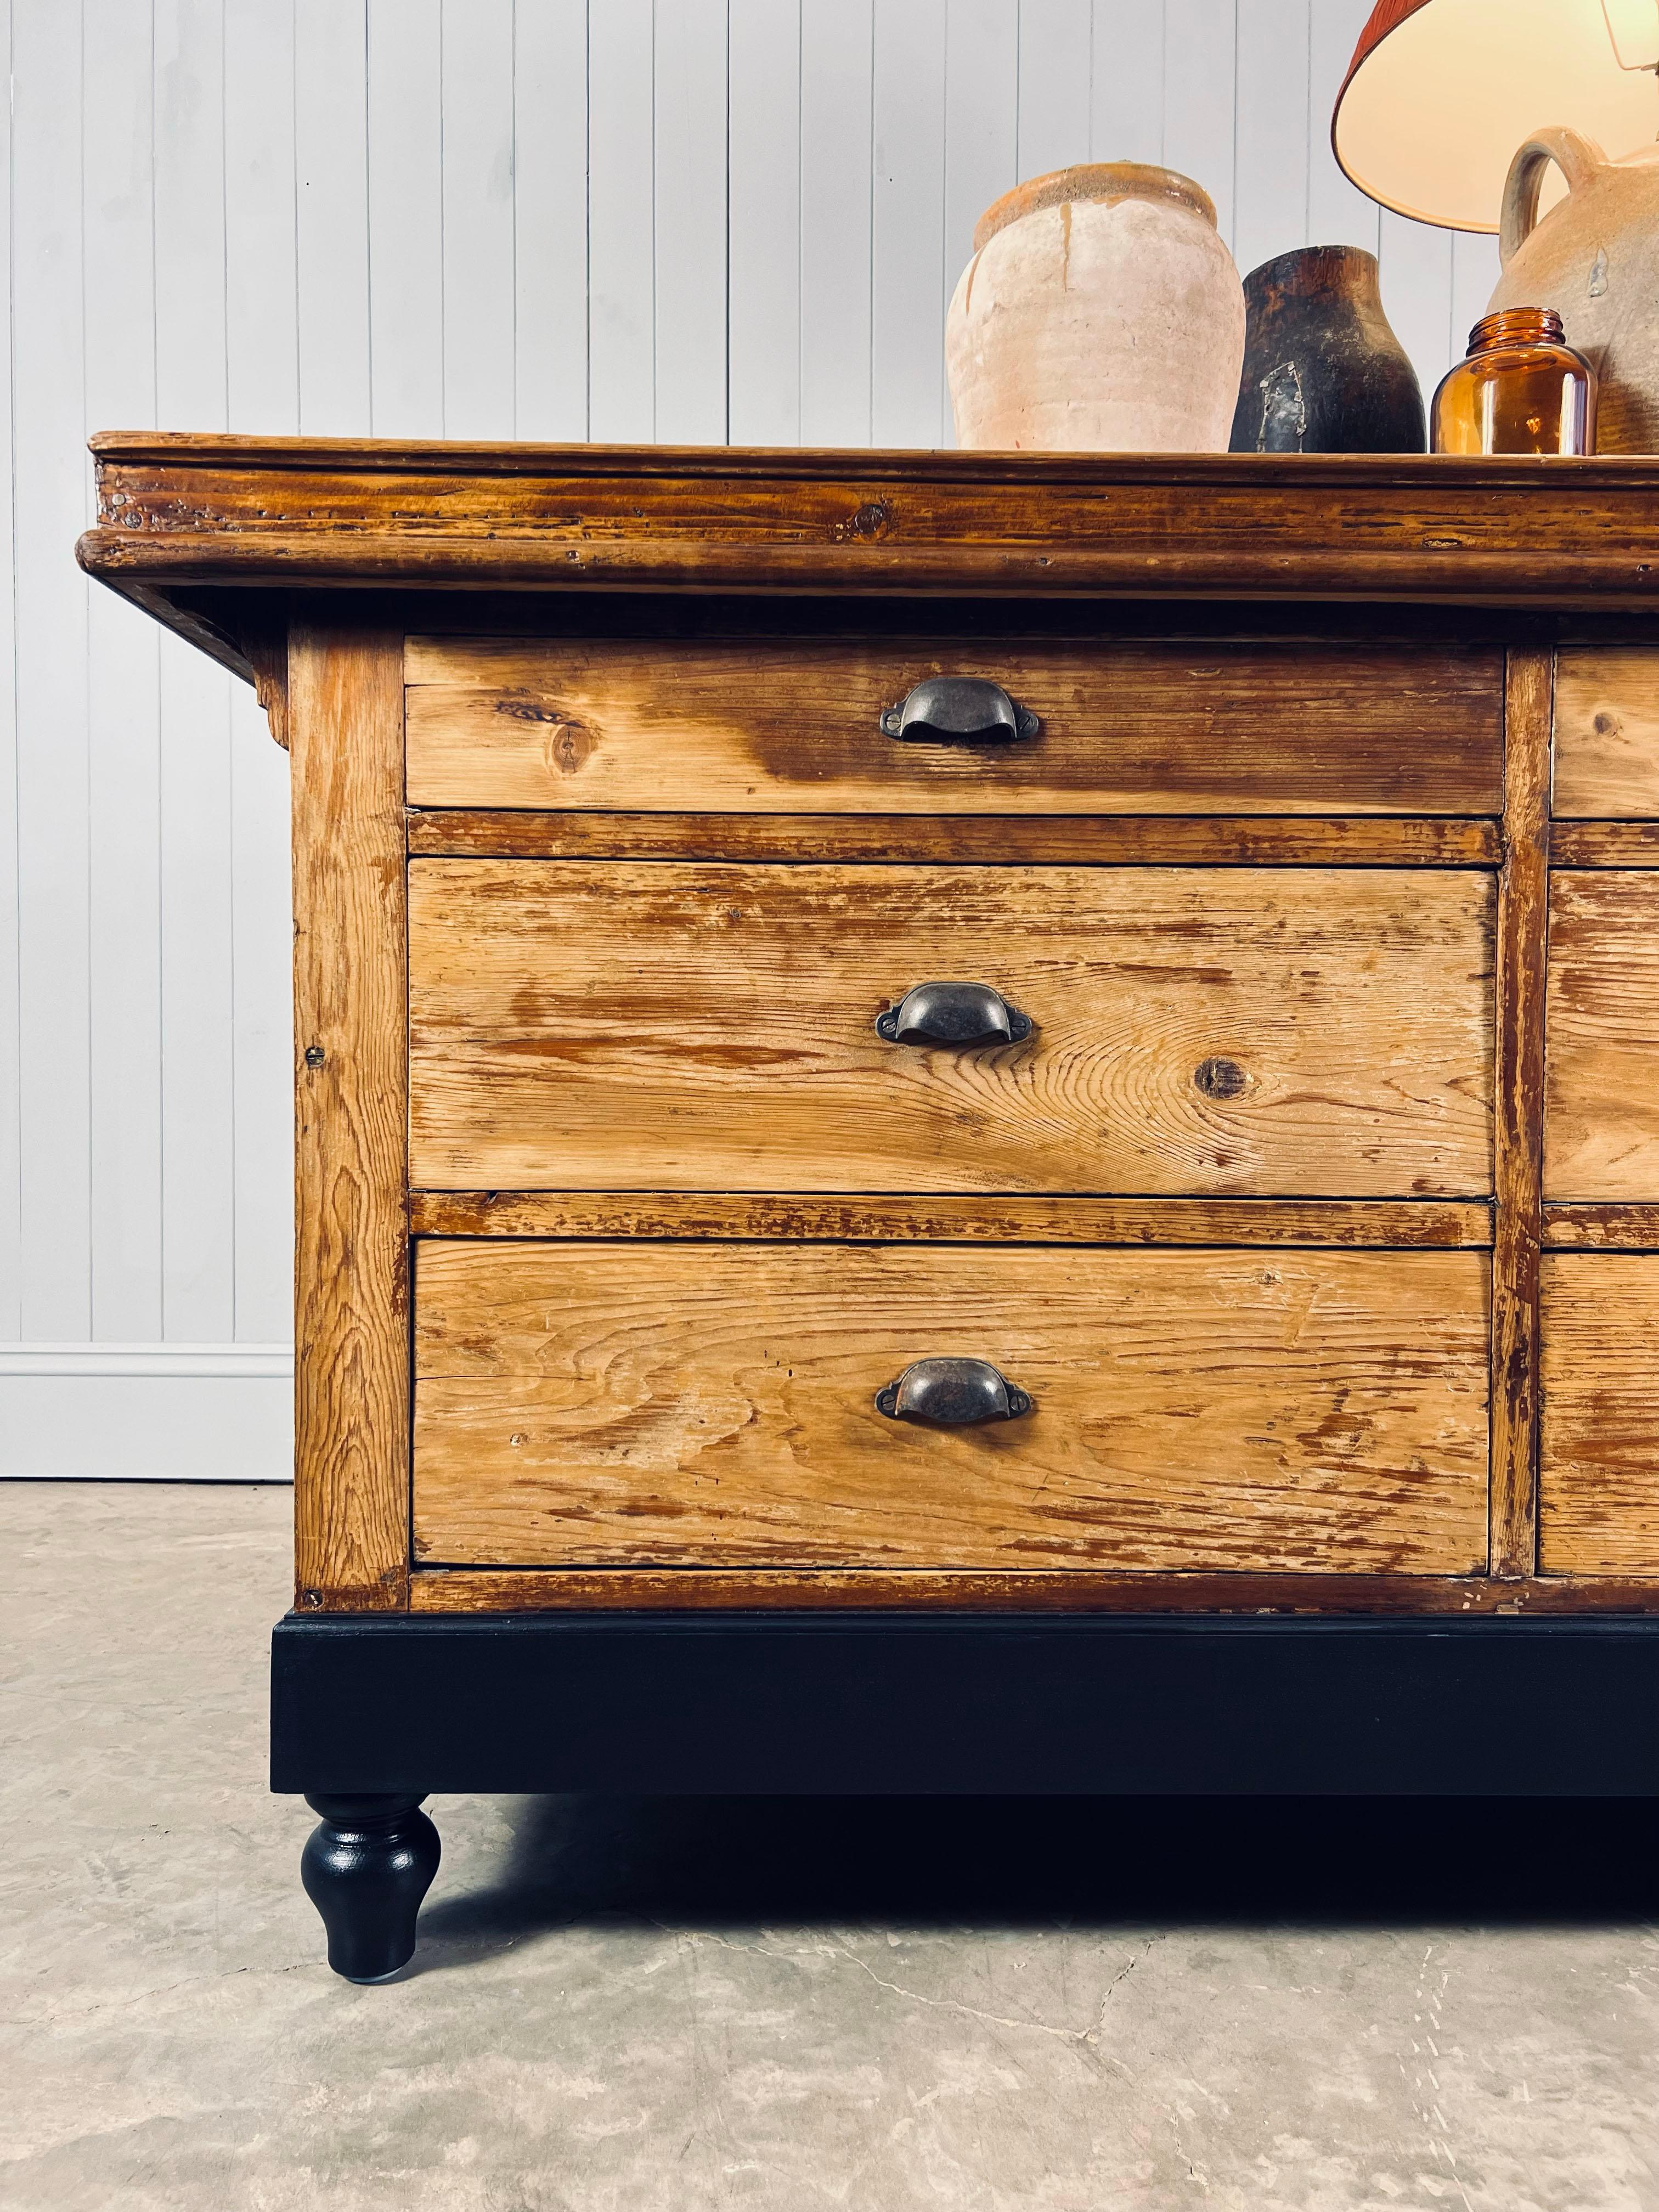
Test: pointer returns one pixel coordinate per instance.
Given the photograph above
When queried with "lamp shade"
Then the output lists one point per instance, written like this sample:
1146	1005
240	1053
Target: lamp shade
1441	93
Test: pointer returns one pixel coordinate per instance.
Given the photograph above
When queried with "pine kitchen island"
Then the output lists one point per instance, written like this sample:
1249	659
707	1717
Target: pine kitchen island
965	1122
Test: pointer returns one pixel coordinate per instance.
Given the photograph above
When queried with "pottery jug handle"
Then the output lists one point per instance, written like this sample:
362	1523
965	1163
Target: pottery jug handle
1576	157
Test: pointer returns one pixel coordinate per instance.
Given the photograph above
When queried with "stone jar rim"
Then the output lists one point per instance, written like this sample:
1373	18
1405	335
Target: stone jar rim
1093	180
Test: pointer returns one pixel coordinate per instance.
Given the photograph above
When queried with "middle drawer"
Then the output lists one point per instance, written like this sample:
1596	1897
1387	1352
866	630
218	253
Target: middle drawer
668	1026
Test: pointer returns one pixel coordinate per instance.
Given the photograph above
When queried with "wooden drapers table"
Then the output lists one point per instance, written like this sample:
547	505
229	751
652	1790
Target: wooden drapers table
964	1121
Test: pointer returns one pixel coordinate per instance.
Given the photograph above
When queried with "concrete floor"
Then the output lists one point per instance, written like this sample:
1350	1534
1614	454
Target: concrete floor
631	2005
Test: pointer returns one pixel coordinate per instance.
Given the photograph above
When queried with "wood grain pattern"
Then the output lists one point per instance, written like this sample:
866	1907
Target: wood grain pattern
1356	1223
176	509
351	1287
1239	841
1604	844
656	1026
1607	730
1601	1099
1522	917
1058	1589
712	1404
1589	1226
1289	893
762	726
1600	1471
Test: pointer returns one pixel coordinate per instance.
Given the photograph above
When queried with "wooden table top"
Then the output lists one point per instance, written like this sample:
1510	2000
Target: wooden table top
178	511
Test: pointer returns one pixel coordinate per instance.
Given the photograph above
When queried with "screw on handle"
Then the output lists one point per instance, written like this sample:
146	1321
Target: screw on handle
952	1393
957	710
953	1013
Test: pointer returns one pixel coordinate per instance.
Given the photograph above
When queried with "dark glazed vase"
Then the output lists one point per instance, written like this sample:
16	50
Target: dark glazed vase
1324	371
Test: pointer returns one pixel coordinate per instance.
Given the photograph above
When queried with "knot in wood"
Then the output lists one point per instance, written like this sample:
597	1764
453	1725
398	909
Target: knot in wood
1219	1079
873	520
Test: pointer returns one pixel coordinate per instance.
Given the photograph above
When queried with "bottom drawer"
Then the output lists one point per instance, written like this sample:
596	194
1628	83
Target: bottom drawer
1598	1485
711	1405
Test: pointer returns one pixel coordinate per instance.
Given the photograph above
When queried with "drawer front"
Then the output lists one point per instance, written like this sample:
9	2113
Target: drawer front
1598	1463
610	1404
759	726
1602	1081
665	1026
1606	732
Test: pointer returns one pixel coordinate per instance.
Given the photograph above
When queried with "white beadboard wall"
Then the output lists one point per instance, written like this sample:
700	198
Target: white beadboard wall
689	220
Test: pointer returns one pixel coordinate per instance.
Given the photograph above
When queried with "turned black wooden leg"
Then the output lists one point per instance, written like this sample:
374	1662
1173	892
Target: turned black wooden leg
366	1870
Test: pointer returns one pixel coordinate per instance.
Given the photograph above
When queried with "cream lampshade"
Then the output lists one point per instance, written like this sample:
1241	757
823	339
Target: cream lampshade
1441	93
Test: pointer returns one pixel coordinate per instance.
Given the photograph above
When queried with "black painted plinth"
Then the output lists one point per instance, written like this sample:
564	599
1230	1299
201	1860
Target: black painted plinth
952	1704
366	1869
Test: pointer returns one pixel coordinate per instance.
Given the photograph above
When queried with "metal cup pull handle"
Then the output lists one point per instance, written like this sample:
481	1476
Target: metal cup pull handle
953	1393
953	1013
957	710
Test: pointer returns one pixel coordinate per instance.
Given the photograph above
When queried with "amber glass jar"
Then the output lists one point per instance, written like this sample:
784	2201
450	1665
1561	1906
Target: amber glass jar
1523	390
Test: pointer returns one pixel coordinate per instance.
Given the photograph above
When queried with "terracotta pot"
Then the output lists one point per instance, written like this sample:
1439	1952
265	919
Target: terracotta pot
1323	370
1101	312
1594	259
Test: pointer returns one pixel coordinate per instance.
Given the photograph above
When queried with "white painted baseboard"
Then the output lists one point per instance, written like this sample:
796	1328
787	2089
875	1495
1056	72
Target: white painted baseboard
156	1413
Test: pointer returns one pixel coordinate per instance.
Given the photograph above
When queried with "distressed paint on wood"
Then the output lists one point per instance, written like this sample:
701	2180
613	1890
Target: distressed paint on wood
1295	527
1602	1096
1598	1480
1226	841
1522	921
617	1403
1588	1225
1371	1222
595	1025
1604	844
1058	1589
761	727
351	1266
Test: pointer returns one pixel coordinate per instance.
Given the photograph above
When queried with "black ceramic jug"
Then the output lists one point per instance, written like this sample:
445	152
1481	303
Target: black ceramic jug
1324	371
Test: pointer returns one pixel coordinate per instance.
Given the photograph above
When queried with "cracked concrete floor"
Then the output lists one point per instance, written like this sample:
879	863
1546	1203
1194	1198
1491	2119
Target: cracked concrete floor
1075	2007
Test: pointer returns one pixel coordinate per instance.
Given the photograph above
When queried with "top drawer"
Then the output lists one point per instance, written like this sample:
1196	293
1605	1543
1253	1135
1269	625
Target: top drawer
734	727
